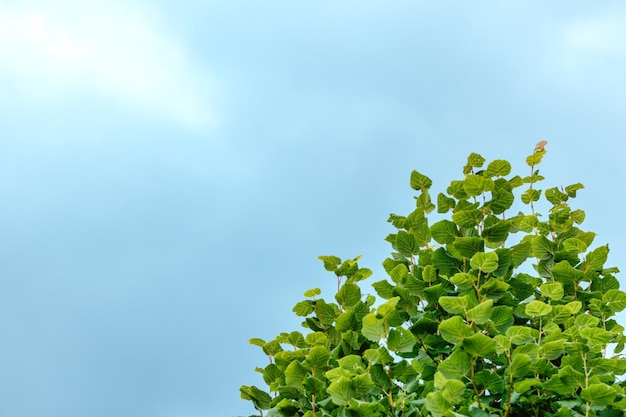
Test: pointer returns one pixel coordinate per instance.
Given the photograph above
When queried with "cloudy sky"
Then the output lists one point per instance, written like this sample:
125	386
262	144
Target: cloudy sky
170	170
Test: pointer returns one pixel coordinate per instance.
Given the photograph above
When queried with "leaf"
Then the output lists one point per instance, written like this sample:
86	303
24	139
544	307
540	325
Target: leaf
474	160
485	261
503	344
575	245
501	200
453	390
521	335
330	262
341	391
615	300
295	374
497	233
598	394
429	274
520	365
463	281
467	218
498	168
475	185
479	345
468	246
526	384
260	399
455	304
536	157
348	295
420	181
456	366
374	328
596	258
494	289
481	313
502	318
454	330
437	405
406	243
553	290
530	195
317	359
312	293
444	231
537	308
444	203
400	340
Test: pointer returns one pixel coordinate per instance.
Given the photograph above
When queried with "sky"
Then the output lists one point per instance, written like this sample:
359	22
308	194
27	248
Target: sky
170	170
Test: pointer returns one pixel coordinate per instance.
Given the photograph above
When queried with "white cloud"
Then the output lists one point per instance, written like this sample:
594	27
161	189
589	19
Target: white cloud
51	50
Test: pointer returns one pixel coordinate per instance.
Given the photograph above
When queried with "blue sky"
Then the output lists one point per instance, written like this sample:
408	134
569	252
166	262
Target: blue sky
170	170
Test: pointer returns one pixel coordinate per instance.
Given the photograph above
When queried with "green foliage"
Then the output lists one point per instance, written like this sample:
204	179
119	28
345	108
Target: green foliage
484	314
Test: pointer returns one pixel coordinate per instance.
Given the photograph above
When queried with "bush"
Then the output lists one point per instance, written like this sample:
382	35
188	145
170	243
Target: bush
463	326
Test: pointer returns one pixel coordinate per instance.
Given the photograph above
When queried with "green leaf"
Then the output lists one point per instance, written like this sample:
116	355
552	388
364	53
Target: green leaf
520	365
456	366
575	245
374	327
530	195
444	203
330	262
429	274
318	358
312	293
596	258
598	394
485	261
615	300
526	384
260	399
521	335
503	343
420	181
497	233
571	189
479	345
535	158
502	318
455	304
406	243
454	330
444	231
498	168
341	391
295	374
348	295
468	246
437	405
501	200
494	289
400	340
362	385
475	185
463	281
537	308
481	313
467	218
474	160
453	391
553	290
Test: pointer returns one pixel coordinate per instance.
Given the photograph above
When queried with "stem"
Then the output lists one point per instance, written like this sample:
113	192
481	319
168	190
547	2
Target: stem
474	383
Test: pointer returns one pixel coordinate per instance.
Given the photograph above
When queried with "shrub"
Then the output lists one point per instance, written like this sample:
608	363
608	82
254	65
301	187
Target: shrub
483	314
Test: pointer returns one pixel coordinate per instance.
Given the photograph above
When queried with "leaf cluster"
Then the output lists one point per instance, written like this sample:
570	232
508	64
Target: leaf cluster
483	314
